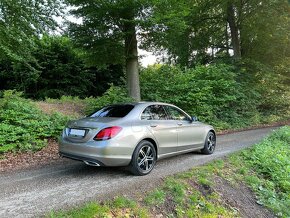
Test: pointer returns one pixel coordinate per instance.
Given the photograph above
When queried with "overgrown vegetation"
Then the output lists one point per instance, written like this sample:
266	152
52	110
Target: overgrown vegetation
264	167
23	126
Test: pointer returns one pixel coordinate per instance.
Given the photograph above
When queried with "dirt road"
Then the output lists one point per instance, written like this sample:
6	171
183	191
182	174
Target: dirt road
35	192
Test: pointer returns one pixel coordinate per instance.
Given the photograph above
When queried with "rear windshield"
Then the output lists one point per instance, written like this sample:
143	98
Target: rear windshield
113	111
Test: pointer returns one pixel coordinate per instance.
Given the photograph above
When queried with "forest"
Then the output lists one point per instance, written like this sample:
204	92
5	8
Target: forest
225	61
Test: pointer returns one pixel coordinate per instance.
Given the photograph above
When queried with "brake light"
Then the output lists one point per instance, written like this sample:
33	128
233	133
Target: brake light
107	133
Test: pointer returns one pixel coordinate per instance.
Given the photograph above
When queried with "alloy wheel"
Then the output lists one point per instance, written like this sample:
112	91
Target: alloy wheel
211	142
145	158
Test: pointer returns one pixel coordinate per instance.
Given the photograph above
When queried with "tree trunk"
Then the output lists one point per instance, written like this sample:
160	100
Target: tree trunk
131	54
227	39
231	18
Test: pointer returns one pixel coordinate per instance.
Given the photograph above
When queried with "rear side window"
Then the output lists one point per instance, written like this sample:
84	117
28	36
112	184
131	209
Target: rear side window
113	111
176	114
154	112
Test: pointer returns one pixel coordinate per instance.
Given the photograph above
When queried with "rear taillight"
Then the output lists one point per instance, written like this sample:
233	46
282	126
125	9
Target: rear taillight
107	133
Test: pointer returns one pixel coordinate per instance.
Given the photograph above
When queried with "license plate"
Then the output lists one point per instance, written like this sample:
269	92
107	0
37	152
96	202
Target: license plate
77	132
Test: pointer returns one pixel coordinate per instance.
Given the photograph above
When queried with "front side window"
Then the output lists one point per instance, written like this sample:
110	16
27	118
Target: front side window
176	114
154	112
113	111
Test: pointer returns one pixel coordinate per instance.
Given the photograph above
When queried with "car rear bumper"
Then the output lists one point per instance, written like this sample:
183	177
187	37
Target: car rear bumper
79	158
103	153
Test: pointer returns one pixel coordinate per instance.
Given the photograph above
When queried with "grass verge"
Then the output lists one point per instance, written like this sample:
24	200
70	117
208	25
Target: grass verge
265	168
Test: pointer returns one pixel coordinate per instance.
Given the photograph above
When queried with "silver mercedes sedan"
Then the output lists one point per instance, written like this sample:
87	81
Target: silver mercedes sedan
135	134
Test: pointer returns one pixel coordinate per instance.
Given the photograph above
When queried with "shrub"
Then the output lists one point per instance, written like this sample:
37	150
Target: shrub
23	126
209	92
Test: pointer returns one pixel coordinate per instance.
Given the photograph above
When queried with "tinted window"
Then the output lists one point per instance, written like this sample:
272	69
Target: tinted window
176	114
154	112
113	111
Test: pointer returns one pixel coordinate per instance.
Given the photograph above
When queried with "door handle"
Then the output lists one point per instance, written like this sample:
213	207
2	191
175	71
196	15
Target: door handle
179	124
153	125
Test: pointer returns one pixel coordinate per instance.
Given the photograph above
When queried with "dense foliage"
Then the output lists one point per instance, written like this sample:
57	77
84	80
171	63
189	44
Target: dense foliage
219	94
188	33
24	126
200	32
22	23
59	70
266	167
207	92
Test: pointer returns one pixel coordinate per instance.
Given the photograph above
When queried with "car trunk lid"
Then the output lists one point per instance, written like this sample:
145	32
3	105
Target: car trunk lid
83	129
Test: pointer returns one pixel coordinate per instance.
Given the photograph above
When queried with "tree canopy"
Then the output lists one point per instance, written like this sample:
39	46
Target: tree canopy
197	32
252	35
21	22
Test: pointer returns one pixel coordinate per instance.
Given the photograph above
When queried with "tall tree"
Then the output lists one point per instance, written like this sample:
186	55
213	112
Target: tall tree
234	29
259	30
190	31
21	22
108	32
199	31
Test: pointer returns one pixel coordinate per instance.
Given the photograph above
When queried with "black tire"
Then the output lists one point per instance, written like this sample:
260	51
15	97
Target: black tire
143	159
209	144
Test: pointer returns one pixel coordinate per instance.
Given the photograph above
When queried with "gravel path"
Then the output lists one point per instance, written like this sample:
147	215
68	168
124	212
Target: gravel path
35	192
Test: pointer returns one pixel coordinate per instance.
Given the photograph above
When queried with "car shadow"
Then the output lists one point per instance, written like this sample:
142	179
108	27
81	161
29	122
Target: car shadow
79	169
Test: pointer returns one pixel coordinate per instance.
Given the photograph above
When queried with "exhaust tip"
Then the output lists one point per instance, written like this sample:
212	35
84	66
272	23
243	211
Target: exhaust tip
90	163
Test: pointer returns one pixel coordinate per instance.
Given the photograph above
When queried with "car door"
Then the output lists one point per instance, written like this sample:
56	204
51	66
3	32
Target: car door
163	129
189	134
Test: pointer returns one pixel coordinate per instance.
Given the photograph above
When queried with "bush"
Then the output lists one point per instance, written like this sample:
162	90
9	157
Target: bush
209	92
23	126
267	88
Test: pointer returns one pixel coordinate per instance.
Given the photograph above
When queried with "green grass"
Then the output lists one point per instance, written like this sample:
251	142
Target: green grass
92	209
265	168
156	197
122	202
119	207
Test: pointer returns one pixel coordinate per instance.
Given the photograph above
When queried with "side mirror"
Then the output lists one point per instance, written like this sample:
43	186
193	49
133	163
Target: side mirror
194	119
